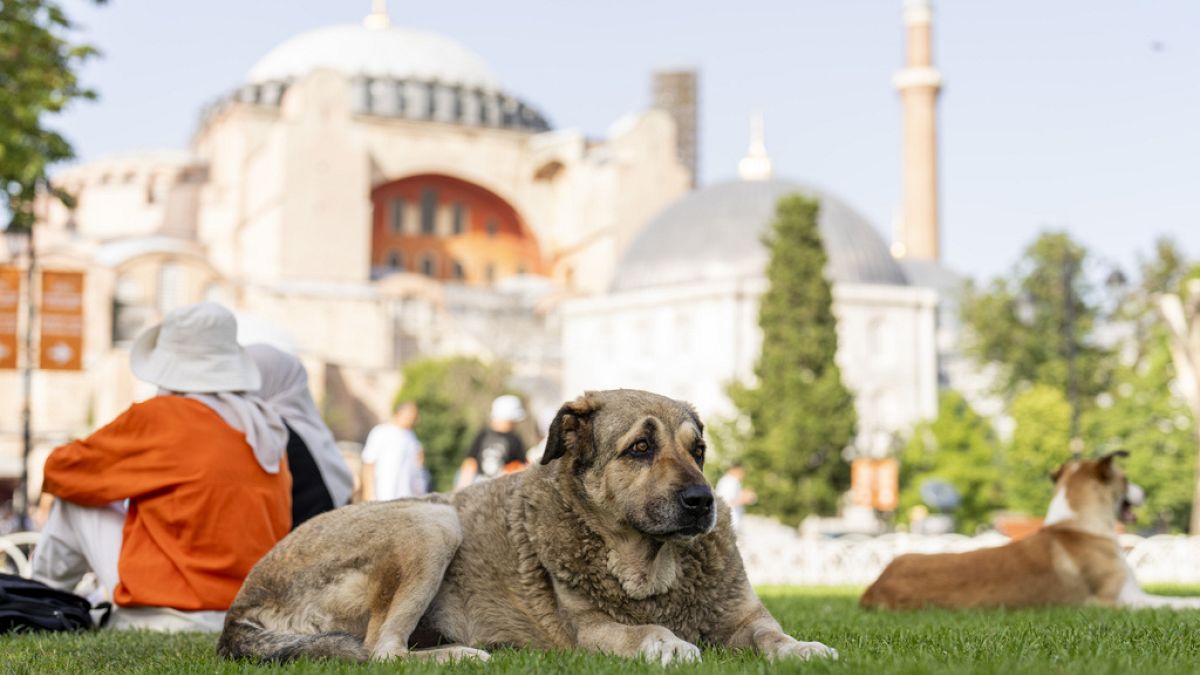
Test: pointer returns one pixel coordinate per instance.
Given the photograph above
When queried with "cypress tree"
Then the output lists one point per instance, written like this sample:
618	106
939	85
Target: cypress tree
801	416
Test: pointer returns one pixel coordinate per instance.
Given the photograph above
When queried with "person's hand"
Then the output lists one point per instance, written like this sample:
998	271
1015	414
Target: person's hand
749	496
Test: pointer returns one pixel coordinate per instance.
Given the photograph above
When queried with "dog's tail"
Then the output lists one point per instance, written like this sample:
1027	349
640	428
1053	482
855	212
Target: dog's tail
247	639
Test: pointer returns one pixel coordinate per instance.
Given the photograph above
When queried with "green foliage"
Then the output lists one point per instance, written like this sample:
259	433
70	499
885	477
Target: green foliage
1039	445
800	414
1021	322
454	397
1156	428
960	448
1141	413
37	79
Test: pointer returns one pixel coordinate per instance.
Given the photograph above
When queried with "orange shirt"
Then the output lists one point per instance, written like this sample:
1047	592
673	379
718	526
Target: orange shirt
201	509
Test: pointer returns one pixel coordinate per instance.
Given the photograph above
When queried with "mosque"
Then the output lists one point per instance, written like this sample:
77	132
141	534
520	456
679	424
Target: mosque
373	194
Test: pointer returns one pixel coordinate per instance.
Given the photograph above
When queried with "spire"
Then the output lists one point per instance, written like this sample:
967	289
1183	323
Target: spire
756	165
378	18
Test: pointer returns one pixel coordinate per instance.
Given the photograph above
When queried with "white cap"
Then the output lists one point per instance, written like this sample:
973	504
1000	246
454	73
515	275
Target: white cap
507	408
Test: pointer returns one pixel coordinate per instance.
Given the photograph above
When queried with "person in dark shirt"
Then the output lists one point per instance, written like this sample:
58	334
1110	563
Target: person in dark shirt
321	480
498	449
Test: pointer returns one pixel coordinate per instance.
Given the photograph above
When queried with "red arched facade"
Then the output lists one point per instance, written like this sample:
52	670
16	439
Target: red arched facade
450	230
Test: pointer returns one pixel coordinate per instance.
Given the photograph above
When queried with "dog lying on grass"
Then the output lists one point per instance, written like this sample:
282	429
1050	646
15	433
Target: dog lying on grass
613	544
1073	560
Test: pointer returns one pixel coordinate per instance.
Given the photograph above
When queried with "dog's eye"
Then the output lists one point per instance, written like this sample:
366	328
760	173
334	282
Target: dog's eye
640	445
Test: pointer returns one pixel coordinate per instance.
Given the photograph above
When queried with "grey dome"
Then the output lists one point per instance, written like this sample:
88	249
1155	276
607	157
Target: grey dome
716	233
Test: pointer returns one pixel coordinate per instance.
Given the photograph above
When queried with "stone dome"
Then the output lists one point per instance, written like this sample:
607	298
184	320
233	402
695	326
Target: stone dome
716	233
382	52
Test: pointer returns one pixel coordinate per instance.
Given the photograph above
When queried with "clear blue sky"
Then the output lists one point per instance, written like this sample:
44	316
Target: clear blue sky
1082	114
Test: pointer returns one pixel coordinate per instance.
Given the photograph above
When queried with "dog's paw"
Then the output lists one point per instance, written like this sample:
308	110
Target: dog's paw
450	654
803	650
667	649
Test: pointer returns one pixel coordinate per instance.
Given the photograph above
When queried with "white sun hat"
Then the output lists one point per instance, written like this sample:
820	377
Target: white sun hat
507	408
195	350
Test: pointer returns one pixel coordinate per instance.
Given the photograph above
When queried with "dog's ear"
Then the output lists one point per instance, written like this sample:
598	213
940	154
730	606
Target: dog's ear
571	429
1057	473
1104	465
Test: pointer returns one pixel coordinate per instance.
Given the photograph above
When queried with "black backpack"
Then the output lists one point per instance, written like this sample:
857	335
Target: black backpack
27	605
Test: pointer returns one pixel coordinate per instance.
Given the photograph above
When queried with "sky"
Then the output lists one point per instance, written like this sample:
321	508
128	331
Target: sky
1081	115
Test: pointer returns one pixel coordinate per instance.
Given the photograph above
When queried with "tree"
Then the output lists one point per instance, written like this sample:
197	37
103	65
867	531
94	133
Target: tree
453	396
1040	444
1038	320
800	416
1168	307
1143	416
37	79
958	447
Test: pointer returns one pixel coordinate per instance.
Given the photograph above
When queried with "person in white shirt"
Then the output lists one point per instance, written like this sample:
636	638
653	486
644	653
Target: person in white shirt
729	488
393	458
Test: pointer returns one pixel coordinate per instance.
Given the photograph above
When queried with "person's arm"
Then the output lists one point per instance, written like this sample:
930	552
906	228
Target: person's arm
416	477
466	472
370	455
129	457
368	482
470	465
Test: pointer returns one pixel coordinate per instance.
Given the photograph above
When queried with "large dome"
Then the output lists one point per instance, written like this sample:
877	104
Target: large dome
390	52
716	233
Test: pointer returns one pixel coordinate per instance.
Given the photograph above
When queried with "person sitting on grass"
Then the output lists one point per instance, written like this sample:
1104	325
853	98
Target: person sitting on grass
321	480
173	502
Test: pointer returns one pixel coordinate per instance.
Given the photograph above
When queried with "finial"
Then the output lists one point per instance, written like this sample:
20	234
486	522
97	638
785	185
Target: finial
756	165
378	18
917	11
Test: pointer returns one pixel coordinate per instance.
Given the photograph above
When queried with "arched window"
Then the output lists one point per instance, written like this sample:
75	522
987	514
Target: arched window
460	218
395	261
397	214
429	265
456	269
429	200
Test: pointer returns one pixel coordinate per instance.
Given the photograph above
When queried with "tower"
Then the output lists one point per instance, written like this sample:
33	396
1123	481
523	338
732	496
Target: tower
675	92
919	84
756	165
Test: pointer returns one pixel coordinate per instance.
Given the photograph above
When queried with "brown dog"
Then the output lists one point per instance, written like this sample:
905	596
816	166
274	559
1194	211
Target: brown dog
614	544
1073	560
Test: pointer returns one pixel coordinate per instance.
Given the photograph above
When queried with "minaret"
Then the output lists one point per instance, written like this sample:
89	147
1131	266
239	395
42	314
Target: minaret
378	18
919	84
756	165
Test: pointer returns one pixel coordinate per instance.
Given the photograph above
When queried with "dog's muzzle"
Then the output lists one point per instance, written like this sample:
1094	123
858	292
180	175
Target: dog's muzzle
1134	496
696	509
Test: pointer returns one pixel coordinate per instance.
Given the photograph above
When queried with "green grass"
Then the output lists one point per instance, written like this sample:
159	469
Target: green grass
1091	641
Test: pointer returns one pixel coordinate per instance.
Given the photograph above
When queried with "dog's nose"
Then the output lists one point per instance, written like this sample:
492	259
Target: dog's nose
696	499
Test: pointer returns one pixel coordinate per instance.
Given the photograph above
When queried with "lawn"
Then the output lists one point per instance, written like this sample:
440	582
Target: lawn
1091	641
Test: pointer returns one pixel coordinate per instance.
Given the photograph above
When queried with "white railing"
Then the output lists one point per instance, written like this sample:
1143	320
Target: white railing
774	554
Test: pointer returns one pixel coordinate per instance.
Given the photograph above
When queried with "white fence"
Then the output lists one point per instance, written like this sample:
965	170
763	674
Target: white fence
778	555
774	554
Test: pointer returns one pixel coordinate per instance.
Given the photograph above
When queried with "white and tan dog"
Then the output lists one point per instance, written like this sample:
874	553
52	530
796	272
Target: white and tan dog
1074	559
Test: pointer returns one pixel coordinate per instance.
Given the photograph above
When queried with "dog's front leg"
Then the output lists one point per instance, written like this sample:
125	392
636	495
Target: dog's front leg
757	629
596	631
647	641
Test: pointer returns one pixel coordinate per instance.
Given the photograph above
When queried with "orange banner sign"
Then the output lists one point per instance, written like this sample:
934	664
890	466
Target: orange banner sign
875	483
62	321
10	307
